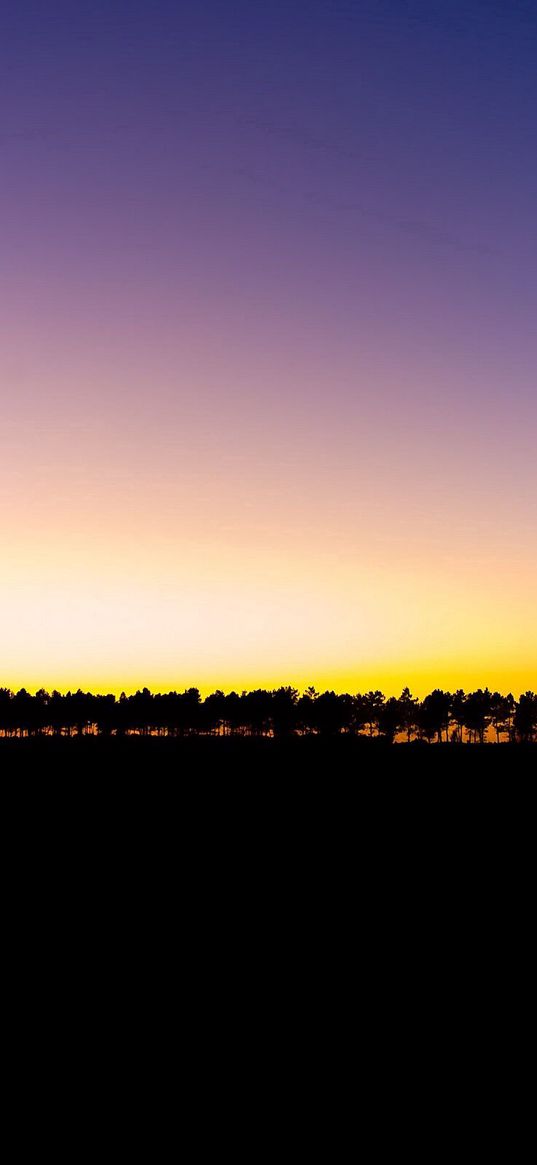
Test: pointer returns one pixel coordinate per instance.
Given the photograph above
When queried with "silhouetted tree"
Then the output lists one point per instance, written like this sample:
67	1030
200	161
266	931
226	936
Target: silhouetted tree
434	714
458	705
284	702
501	713
214	710
333	713
409	712
371	703
525	720
389	719
305	711
477	713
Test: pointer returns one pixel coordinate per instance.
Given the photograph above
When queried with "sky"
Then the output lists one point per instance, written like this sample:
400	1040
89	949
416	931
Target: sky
268	344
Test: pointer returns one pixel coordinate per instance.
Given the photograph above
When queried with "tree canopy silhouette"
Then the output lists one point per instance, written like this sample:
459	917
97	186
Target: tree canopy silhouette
441	717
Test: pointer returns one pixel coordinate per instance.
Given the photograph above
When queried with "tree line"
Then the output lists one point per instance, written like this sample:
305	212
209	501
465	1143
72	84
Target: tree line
455	717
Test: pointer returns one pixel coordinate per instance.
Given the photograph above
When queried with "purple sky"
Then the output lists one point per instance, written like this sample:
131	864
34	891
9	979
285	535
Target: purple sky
267	320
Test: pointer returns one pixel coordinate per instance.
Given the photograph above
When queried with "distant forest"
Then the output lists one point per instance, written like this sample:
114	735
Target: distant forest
454	717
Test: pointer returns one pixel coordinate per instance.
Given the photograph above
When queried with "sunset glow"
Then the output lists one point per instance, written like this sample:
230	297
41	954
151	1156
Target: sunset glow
268	346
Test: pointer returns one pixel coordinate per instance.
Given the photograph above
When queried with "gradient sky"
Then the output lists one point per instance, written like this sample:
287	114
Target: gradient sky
268	343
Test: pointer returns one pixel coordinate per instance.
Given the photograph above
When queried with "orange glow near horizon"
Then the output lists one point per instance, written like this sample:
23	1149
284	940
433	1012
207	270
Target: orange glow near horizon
172	600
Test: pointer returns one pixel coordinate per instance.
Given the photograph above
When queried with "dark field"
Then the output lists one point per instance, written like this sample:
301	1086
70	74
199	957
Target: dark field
318	824
298	757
